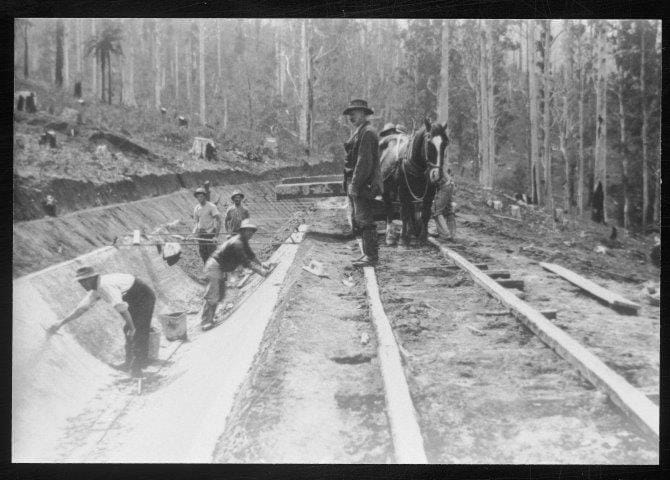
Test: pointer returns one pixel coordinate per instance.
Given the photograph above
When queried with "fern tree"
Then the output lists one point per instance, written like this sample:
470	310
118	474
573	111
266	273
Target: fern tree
102	46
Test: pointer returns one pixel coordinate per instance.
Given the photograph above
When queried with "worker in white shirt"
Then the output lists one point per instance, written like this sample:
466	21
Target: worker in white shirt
132	298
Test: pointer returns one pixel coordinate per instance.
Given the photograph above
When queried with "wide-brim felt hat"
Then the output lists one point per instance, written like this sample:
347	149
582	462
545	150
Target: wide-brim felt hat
387	128
358	104
236	193
86	272
198	191
246	223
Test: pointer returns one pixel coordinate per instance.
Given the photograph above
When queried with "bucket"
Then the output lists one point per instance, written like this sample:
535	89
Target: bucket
154	344
174	325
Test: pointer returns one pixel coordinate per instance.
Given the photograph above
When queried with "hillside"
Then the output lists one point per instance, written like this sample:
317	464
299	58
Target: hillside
113	153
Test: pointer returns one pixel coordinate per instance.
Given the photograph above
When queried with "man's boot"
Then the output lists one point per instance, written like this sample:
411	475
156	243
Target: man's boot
451	225
370	248
208	312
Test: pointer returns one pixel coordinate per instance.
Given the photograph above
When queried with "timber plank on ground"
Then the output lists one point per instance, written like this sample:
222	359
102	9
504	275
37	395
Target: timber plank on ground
407	439
630	400
613	299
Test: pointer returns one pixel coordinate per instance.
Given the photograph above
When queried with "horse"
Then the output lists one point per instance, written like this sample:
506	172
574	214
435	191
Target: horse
411	167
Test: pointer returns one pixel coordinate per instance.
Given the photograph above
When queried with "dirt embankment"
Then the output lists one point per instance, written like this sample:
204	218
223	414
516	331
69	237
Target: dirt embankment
74	195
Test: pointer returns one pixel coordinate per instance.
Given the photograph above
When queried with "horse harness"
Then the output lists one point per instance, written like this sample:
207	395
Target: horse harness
407	157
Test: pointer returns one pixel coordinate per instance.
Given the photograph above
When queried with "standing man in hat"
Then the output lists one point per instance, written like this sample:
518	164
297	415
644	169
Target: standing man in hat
362	179
207	224
132	298
235	213
227	257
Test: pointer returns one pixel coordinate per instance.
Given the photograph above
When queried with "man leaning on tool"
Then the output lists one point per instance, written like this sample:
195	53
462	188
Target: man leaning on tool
362	179
235	213
227	257
132	298
207	224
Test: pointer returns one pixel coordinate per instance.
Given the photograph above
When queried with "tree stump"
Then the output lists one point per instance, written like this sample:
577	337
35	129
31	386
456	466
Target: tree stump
182	122
559	215
20	103
497	205
77	89
48	137
199	148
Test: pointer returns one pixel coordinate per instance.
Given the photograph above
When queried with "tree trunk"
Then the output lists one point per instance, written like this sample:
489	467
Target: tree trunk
600	167
102	78
94	66
580	174
189	70
109	78
26	68
201	68
128	70
66	55
623	151
443	99
157	64
548	187
485	172
176	70
225	113
533	112
566	120
78	45
304	84
645	122
59	53
490	110
219	71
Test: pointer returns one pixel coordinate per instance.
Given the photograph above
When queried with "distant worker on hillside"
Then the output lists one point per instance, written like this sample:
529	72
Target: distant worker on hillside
208	194
362	179
235	213
132	298
227	257
49	205
207	224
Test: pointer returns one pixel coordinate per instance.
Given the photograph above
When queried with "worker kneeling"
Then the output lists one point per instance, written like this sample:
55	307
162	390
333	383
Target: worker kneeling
132	298
227	257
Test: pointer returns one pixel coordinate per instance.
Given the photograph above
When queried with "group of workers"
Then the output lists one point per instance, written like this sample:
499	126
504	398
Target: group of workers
134	300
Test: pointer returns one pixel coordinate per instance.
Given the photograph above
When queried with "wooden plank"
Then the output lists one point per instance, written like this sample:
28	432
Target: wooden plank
481	266
498	274
407	439
613	299
631	401
511	283
551	314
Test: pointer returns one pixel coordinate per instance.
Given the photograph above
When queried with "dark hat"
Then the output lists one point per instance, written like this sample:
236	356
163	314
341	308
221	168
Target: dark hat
85	272
198	191
236	193
387	130
358	104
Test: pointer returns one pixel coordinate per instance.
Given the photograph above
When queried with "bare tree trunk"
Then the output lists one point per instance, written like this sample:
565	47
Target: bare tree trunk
189	70
201	68
443	99
490	110
176	70
219	74
102	78
59	53
225	113
109	78
567	121
304	84
157	64
548	190
600	167
533	112
78	45
645	123
483	93
66	55
128	70
580	174
26	68
623	151
94	66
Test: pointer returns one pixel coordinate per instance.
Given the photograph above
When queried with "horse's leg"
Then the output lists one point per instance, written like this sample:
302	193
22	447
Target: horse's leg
388	208
406	214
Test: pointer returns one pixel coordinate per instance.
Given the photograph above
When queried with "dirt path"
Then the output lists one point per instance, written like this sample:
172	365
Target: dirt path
316	394
486	389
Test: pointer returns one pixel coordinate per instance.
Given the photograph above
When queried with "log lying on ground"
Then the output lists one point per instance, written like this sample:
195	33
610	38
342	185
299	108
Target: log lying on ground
613	299
632	402
407	439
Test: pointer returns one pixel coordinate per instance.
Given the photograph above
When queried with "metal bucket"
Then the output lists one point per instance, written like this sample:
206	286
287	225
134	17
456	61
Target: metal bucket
174	325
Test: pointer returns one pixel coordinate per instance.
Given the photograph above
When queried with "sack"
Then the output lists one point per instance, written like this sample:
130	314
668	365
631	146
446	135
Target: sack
171	253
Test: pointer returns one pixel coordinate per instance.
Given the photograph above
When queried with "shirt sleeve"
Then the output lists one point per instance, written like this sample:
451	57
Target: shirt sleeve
114	297
89	299
215	211
250	253
366	156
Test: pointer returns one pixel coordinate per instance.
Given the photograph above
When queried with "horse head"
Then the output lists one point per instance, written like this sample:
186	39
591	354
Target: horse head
435	143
